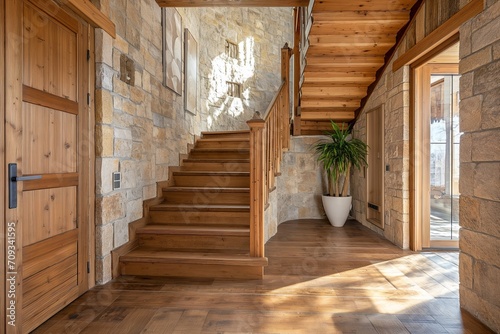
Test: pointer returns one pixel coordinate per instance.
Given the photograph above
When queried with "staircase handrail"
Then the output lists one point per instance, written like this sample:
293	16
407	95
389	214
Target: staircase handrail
269	137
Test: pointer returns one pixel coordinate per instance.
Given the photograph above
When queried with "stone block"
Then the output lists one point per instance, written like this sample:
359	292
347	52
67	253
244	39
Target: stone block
470	113
149	191
122	148
466	147
490	110
489	218
104	141
486	35
121	44
121	133
480	308
466	85
103	106
486	278
475	60
130	175
467	179
120	232
486	17
104	239
496	50
486	181
465	46
470	213
109	208
486	145
104	76
121	88
466	270
134	209
103	269
129	107
486	77
103	47
480	246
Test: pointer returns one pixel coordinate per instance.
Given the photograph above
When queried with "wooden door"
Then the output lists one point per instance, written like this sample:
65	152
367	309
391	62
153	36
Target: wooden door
48	137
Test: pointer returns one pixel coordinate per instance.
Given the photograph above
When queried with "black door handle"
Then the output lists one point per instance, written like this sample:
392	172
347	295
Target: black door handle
13	179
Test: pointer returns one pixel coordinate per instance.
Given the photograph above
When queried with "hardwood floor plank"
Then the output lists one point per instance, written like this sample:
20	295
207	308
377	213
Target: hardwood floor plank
319	280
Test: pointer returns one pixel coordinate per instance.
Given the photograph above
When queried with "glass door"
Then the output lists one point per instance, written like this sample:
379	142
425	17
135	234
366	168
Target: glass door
444	161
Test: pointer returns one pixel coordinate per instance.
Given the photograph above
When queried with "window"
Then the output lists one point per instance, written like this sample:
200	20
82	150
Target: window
233	89
232	50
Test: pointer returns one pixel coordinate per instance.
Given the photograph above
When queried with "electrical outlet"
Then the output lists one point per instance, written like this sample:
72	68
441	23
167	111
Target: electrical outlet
117	180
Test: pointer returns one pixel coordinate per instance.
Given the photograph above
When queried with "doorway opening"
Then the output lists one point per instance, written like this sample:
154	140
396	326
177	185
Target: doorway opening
436	151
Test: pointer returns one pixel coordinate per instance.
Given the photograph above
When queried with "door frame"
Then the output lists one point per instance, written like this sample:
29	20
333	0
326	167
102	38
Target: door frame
2	161
422	76
13	75
418	209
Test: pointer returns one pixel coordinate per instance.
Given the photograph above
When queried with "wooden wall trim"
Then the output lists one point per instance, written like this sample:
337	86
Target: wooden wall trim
438	36
92	176
2	161
92	15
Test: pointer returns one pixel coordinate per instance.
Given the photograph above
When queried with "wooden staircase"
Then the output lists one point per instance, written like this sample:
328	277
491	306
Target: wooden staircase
201	227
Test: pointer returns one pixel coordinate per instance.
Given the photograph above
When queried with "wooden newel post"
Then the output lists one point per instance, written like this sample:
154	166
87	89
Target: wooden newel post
257	185
286	54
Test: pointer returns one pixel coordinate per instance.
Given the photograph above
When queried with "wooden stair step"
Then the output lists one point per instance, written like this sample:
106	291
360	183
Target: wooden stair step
192	237
245	134
234	143
155	262
226	165
194	230
199	208
212	214
219	153
206	195
211	179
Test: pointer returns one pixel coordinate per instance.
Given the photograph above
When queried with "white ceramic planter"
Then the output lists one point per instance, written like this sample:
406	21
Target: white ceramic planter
337	209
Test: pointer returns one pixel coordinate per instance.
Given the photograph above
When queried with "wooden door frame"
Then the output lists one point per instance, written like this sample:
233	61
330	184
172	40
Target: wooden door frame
381	110
422	126
2	160
418	209
13	75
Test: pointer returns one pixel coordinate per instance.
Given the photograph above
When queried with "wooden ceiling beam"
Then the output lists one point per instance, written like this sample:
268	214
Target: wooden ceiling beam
344	68
365	5
361	15
352	39
372	50
232	3
356	28
345	59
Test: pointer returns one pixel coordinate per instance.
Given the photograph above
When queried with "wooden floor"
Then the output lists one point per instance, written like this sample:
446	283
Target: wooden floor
320	279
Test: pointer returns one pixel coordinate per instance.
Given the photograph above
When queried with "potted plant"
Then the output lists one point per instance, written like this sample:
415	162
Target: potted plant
338	155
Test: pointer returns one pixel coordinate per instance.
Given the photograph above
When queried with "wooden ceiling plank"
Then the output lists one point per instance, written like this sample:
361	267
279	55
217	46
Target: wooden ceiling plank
361	15
232	3
345	59
375	50
368	5
356	39
353	27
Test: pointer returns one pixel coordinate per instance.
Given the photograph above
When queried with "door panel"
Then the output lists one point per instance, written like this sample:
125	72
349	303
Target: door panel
45	137
50	142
